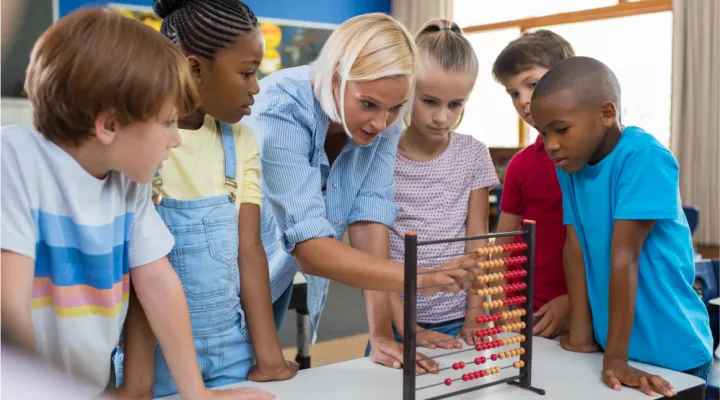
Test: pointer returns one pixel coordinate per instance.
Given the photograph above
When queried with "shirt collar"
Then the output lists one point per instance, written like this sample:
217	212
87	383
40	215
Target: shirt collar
539	144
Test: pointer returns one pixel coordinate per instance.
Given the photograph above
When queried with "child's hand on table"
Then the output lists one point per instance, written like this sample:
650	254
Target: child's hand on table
269	373
388	352
470	327
551	319
617	372
433	339
247	393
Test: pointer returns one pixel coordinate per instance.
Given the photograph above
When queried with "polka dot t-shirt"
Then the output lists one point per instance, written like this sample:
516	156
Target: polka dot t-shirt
433	199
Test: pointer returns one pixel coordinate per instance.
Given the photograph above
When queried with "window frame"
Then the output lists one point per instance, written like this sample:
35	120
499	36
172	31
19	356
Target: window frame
623	8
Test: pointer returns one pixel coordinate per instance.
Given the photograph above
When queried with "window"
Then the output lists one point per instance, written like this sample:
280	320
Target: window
642	64
477	12
489	114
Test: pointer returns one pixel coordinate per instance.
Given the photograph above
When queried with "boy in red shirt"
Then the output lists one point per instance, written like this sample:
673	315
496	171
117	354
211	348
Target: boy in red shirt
530	188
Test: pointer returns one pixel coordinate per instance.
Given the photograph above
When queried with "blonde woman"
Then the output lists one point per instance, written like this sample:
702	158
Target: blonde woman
328	136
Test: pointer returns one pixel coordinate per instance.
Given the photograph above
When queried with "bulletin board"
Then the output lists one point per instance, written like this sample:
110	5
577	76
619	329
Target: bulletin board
287	43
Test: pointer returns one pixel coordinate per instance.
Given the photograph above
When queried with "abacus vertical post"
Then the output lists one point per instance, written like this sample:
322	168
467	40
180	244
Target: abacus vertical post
526	371
410	310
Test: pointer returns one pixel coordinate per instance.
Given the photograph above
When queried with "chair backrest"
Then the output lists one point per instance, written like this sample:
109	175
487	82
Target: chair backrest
692	214
707	279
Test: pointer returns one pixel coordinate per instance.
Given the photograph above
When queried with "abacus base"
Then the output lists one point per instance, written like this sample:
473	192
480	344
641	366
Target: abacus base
539	391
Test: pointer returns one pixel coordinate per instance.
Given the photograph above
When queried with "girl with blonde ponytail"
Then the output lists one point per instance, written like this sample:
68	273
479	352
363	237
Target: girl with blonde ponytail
442	181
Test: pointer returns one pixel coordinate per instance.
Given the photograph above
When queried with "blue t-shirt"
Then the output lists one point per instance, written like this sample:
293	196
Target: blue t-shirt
638	180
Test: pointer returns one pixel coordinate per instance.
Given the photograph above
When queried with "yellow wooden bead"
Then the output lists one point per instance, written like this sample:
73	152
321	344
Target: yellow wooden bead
522	325
523	312
522	338
522	350
502	328
497	249
516	364
505	342
501	356
504	315
485	305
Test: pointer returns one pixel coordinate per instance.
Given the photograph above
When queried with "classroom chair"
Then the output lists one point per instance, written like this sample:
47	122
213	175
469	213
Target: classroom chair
707	284
692	214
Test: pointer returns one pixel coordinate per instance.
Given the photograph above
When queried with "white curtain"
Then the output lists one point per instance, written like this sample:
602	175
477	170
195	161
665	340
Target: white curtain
414	13
695	138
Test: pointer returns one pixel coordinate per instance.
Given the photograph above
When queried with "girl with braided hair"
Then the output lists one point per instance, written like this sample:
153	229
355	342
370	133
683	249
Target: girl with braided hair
208	194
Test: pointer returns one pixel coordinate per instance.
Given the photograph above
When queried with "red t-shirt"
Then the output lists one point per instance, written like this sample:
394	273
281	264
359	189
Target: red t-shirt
531	190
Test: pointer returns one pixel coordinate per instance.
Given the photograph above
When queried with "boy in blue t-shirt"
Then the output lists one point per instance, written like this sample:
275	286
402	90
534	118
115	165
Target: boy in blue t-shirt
625	224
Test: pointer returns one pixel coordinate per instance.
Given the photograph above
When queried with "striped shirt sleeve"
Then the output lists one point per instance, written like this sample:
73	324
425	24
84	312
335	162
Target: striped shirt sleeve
374	202
290	184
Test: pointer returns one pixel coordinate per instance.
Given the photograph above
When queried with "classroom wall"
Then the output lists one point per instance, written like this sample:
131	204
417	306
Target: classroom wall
15	110
327	11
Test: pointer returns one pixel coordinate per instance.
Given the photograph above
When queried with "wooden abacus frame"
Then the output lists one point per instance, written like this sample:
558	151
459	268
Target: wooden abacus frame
524	378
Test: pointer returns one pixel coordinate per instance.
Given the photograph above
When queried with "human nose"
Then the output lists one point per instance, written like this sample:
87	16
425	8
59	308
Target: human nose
440	117
379	123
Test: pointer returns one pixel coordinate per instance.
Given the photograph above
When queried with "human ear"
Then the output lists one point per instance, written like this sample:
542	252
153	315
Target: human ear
106	127
196	69
609	114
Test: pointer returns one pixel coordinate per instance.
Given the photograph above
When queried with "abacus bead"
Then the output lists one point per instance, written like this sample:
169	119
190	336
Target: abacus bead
494	357
448	381
461	364
505	342
522	338
498	317
482	360
501	356
522	351
485	305
478	347
479	333
455	366
504	315
522	363
479	320
481	374
516	364
522	325
477	374
497	370
465	377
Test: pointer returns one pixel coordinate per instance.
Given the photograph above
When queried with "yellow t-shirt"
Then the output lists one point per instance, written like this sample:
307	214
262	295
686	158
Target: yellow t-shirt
196	169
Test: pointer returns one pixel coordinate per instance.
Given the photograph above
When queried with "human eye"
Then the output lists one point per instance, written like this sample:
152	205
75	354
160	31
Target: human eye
429	102
367	104
561	130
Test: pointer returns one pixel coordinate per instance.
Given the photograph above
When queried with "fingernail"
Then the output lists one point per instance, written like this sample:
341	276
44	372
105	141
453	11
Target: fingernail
396	364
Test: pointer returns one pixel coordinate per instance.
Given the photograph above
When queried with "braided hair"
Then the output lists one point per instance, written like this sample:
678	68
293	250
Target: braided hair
203	27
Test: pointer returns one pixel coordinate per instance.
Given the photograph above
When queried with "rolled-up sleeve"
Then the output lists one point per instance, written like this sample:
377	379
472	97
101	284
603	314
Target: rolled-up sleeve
290	184
375	200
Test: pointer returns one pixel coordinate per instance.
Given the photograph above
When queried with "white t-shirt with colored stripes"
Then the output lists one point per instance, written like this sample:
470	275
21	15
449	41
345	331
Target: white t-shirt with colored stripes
84	235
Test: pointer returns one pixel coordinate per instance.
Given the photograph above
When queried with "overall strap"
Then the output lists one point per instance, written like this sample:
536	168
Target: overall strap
228	143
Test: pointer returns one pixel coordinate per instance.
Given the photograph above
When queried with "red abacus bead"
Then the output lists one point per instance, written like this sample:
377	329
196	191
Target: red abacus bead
482	360
498	343
471	376
448	381
478	361
493	357
523	299
498	330
456	366
485	346
478	347
479	333
462	364
465	377
498	317
482	373
477	374
479	320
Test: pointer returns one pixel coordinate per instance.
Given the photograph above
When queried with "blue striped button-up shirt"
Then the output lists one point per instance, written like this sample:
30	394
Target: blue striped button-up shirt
291	128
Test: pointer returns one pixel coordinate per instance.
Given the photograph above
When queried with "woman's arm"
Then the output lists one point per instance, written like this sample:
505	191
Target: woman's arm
292	187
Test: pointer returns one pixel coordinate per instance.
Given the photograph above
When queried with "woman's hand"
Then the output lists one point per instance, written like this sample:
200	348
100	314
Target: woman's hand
455	276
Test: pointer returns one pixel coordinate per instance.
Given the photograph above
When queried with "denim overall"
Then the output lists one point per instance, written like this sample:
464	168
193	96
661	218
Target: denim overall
205	259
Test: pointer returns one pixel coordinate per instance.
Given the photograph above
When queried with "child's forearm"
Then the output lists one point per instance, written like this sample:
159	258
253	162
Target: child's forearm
16	278
623	288
580	326
162	298
139	354
257	303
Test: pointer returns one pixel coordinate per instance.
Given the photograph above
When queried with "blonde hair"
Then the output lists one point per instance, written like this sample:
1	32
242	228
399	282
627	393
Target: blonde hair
364	48
95	60
441	42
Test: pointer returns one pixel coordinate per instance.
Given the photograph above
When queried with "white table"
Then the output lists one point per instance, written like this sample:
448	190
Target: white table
563	375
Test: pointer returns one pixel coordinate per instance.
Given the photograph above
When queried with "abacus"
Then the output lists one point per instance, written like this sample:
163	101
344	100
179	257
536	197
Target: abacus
519	359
